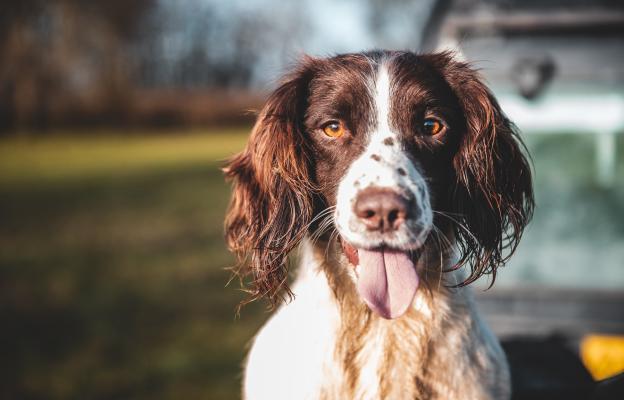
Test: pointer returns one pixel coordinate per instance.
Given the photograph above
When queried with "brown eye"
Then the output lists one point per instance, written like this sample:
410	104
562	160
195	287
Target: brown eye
432	126
334	129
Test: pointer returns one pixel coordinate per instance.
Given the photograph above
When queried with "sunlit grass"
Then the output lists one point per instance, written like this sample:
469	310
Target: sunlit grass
57	156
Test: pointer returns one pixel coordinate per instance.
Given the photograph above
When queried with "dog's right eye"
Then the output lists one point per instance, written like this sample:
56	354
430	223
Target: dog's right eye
334	129
432	126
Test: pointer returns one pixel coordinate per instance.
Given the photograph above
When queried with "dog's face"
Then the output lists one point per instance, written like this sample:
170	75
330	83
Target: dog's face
391	145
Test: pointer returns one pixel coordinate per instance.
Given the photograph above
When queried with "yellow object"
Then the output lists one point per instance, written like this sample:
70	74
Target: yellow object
603	355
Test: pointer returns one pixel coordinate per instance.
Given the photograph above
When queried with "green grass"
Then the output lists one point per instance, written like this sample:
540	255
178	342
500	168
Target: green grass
26	159
112	269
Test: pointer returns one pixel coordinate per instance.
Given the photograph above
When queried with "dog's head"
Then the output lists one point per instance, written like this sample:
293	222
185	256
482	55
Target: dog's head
389	146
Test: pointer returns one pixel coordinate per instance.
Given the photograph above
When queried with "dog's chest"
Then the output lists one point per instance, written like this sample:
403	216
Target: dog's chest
307	351
293	355
379	361
313	349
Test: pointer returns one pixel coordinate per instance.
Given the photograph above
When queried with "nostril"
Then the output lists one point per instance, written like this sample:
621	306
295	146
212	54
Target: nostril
393	215
396	217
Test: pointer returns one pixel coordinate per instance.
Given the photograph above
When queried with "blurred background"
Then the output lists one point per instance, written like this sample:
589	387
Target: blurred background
116	116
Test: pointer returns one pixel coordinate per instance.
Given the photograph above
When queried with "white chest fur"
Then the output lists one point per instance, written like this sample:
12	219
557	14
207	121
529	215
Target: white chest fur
300	352
292	356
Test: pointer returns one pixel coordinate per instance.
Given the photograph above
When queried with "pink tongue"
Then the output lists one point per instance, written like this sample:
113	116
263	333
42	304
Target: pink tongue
387	281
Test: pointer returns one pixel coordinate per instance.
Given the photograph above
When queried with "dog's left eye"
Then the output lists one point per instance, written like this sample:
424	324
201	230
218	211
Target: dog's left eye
334	129
432	126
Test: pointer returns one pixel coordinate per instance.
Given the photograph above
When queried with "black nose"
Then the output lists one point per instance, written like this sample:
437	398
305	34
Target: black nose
381	209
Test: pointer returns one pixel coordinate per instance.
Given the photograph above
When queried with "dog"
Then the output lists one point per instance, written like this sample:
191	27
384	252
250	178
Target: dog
400	181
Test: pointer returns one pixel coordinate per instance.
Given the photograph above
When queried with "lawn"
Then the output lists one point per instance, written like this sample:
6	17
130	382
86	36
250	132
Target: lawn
112	268
112	259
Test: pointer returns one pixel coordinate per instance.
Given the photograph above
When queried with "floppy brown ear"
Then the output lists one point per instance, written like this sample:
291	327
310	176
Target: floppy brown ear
493	194
271	202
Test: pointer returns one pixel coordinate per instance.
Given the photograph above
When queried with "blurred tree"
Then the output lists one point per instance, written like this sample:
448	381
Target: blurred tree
82	61
211	44
119	61
65	59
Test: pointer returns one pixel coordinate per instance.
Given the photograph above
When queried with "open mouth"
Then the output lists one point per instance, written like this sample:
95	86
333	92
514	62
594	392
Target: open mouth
386	278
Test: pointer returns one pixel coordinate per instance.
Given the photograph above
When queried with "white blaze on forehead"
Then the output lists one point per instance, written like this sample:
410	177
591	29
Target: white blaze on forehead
382	100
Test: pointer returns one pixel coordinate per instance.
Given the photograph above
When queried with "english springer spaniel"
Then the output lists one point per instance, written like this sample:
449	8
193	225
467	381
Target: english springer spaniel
390	171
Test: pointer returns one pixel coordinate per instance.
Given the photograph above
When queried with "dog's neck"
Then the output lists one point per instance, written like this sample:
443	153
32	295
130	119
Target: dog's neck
367	343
